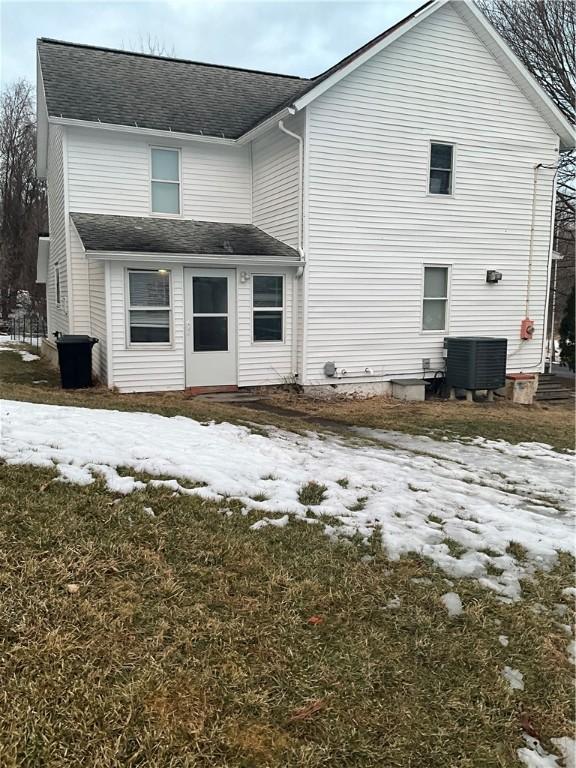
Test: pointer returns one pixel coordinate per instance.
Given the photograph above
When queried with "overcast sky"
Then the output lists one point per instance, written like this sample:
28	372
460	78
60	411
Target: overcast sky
300	38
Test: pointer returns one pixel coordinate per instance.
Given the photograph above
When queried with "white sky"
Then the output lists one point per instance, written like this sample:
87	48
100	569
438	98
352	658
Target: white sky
300	38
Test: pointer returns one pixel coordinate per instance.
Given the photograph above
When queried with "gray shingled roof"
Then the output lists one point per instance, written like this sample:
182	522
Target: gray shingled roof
99	84
135	234
84	82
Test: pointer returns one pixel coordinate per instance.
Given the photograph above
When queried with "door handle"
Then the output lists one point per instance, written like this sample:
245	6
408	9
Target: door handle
188	328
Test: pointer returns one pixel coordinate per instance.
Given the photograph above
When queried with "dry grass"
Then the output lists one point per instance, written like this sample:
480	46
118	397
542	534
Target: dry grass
501	420
189	642
497	421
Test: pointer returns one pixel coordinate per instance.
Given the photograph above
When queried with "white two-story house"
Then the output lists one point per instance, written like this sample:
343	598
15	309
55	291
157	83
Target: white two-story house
221	227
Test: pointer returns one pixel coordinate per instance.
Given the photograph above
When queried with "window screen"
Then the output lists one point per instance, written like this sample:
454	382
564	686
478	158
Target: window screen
268	307
165	181
435	298
149	306
441	161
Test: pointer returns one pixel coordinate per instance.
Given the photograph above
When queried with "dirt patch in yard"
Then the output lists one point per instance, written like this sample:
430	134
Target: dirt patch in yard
438	418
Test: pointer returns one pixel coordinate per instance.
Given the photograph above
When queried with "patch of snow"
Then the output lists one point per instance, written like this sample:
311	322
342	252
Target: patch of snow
27	357
453	603
487	493
514	677
572	651
503	640
569	592
149	511
535	756
567	747
393	603
280	522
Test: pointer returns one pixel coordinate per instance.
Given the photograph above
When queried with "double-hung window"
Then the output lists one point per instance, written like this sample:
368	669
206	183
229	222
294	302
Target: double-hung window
435	304
441	169
149	306
165	180
268	307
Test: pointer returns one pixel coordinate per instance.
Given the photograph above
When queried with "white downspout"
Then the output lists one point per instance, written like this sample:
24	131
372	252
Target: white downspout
300	271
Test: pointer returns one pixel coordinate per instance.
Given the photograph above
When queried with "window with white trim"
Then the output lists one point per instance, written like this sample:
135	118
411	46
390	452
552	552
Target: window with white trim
441	167
57	287
165	180
435	301
267	307
149	306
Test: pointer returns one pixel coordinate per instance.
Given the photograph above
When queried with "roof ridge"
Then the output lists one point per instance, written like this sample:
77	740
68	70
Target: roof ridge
170	58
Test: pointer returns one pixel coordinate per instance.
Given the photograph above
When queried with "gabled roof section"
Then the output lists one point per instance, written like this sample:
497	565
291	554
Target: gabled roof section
480	25
132	89
103	85
103	233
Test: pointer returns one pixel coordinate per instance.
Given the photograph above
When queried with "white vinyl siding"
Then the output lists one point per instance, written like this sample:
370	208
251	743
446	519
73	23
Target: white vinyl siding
57	314
275	169
98	318
262	363
111	173
145	367
373	225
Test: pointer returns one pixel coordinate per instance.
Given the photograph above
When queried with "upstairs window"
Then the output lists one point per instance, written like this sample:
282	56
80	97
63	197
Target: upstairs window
57	284
268	307
165	178
441	169
435	299
149	306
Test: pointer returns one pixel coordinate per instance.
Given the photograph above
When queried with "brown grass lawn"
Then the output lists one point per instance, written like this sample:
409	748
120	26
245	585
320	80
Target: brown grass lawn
190	642
186	639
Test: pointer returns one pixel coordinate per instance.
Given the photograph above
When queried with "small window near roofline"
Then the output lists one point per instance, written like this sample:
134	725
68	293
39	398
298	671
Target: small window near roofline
441	169
165	180
267	308
149	306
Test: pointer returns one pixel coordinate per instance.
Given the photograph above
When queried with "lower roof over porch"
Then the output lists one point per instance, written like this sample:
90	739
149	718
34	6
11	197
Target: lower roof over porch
148	238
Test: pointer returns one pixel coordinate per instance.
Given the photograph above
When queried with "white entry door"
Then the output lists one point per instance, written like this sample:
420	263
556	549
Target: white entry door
210	316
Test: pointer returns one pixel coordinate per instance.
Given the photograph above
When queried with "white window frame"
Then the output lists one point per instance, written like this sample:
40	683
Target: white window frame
445	330
281	309
148	344
439	195
57	285
165	181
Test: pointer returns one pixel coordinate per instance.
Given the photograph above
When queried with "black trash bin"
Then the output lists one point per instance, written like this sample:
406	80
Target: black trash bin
75	360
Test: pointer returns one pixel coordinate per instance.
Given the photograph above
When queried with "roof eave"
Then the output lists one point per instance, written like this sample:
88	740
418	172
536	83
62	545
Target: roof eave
152	132
178	258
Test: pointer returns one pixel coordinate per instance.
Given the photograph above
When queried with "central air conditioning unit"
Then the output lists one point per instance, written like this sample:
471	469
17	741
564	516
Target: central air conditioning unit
475	362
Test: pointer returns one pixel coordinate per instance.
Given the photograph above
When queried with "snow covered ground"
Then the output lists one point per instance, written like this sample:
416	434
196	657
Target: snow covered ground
413	491
7	344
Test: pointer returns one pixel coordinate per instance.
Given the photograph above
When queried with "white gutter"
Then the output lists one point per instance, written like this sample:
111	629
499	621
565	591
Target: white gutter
262	127
299	273
152	132
194	258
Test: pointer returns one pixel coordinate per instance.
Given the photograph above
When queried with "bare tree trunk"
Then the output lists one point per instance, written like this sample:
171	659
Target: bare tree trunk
22	199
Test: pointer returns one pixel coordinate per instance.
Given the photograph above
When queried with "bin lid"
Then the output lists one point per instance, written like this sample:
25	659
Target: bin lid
76	339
